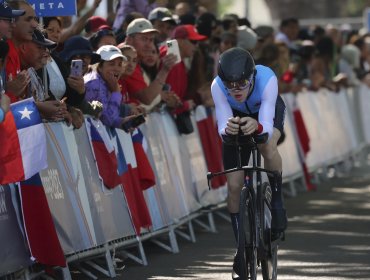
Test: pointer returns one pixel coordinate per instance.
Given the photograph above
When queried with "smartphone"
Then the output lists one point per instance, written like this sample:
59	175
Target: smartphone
140	119
76	68
173	47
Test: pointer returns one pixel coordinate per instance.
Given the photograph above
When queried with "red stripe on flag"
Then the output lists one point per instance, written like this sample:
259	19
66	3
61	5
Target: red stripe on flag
144	169
135	199
212	148
107	164
11	165
42	236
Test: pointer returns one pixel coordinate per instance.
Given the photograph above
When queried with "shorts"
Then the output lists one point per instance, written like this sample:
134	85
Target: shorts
230	153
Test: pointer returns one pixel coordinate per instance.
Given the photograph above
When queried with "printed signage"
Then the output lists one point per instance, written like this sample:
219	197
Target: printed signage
52	8
366	19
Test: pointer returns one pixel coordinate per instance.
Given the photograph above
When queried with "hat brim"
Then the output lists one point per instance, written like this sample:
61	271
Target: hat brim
47	43
197	37
67	55
18	13
115	56
150	30
169	19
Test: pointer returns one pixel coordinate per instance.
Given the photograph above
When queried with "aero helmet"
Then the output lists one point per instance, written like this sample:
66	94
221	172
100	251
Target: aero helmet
236	64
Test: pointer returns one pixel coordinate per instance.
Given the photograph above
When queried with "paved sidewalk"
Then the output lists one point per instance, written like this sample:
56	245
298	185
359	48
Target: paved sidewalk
328	238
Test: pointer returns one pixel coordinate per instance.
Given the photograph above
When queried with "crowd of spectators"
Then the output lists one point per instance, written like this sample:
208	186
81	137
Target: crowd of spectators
127	71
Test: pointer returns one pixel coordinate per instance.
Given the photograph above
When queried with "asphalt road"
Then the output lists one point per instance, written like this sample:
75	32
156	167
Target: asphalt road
328	238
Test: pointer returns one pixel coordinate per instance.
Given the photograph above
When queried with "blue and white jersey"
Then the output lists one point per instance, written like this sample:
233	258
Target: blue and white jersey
261	100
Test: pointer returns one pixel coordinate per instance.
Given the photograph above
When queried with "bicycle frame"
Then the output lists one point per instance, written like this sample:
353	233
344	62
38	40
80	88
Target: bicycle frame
253	184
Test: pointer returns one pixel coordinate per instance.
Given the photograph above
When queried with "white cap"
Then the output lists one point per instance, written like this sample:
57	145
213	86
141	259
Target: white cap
110	52
247	38
140	25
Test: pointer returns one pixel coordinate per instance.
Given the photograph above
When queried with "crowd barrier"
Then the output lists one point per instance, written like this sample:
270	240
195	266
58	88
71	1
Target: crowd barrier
94	221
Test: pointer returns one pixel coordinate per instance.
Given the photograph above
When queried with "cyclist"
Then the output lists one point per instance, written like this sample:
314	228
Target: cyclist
247	101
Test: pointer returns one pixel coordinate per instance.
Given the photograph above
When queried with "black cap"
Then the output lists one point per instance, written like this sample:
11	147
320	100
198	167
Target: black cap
78	45
39	38
7	12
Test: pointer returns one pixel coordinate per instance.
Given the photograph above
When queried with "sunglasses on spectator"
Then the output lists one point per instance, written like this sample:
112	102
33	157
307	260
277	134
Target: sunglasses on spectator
238	85
11	20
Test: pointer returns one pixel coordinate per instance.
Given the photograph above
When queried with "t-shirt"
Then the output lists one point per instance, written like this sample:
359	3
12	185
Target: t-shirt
12	68
134	84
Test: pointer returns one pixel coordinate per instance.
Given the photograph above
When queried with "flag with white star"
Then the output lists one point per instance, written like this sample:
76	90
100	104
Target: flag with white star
22	143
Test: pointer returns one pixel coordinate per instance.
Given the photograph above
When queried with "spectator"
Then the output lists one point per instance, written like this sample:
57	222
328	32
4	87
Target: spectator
187	38
4	99
104	36
131	55
228	41
102	85
53	28
349	63
182	8
124	7
288	33
78	47
93	24
34	55
265	36
230	23
247	38
17	80
7	18
162	20
121	33
140	35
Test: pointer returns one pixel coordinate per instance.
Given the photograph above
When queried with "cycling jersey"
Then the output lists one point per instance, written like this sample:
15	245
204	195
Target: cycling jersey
260	101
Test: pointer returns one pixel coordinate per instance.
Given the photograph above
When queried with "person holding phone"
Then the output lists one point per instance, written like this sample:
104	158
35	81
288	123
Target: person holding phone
102	85
186	37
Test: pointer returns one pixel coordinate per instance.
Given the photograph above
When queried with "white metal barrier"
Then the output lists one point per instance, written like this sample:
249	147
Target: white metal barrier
337	125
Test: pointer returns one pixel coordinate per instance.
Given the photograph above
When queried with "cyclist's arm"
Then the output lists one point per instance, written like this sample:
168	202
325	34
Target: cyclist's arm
222	106
266	113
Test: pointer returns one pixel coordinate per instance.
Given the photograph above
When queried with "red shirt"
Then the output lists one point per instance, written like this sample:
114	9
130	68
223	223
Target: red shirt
134	84
12	68
178	79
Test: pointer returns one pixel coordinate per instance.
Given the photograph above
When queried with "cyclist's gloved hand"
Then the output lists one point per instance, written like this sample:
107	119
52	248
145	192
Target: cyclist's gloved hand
232	127
248	125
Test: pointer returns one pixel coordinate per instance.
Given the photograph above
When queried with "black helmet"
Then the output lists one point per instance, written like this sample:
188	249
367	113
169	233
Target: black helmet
236	64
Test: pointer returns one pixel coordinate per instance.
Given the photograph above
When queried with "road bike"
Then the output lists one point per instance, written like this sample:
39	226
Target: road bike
257	247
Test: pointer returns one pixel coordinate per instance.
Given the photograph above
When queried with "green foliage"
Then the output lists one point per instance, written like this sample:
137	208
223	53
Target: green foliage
355	8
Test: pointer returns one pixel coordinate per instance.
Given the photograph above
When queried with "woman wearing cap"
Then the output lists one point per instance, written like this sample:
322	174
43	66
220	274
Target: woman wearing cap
102	85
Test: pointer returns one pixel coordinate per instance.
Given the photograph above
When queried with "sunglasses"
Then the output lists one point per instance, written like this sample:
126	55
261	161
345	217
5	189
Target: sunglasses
11	20
238	85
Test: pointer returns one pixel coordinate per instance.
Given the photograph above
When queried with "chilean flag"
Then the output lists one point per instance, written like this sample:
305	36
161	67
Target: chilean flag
131	182
145	170
105	155
211	143
38	223
22	143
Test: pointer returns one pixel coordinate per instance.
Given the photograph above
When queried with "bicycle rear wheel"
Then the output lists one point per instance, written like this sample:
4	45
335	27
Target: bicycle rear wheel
248	233
269	262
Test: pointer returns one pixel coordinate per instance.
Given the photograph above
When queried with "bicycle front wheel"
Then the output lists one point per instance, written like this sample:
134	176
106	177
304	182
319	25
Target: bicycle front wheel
269	266
249	230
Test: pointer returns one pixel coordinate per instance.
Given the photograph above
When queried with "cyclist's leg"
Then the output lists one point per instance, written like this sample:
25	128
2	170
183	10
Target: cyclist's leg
234	185
273	162
235	181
